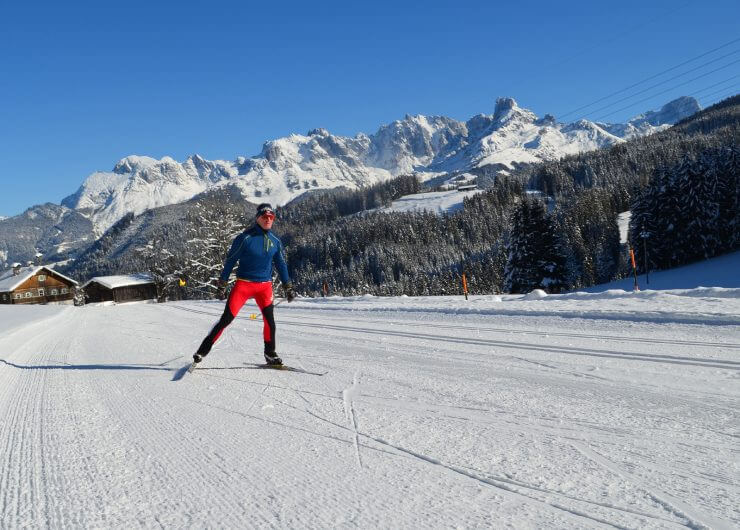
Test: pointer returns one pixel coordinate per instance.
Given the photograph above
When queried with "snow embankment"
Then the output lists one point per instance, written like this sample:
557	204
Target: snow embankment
706	305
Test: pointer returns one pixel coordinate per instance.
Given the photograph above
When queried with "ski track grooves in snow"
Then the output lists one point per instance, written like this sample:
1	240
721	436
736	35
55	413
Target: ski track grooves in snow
708	363
531	332
23	440
93	434
496	483
348	396
693	518
459	327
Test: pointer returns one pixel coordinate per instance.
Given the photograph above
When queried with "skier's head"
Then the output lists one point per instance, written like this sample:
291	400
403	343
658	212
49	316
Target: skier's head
265	215
265	209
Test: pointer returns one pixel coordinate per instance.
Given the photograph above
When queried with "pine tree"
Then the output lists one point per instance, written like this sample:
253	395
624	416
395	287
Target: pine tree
552	263
536	258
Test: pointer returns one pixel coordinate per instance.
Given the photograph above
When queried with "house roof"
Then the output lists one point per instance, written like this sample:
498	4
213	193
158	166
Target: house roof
10	281
126	280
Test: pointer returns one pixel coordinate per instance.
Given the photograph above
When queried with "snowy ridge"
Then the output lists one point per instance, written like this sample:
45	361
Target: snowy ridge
290	166
653	121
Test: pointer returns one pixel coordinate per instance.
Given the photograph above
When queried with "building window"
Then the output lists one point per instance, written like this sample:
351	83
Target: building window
42	277
28	294
5	297
41	291
18	296
54	292
65	290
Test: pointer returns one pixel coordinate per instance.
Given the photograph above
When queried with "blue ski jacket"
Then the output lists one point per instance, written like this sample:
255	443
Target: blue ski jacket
256	250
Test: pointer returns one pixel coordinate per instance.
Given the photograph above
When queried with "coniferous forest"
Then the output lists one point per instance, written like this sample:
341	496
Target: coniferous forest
551	225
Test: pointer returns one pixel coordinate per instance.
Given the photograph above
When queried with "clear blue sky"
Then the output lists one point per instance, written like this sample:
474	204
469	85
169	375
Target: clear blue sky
83	84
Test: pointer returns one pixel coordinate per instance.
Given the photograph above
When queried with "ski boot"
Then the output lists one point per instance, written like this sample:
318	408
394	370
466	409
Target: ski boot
272	358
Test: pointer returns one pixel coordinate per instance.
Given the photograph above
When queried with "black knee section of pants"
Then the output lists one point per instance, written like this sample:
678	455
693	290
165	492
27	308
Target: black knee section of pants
269	318
226	319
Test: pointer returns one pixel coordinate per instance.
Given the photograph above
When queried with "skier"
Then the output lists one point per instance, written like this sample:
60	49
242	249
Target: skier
255	249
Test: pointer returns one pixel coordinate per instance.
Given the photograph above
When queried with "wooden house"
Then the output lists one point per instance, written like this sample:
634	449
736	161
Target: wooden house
124	288
35	285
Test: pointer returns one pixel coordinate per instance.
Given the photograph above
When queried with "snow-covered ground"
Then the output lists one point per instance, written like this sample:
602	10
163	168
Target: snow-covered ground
574	411
439	202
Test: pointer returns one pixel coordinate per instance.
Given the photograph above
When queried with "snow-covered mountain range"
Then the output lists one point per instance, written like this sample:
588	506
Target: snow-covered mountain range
290	166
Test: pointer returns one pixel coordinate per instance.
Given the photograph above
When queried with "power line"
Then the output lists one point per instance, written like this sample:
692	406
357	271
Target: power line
618	36
696	93
715	101
662	83
733	91
651	77
667	90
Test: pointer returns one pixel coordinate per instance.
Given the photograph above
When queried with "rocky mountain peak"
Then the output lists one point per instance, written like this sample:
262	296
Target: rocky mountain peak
507	111
320	131
132	164
670	113
289	166
504	105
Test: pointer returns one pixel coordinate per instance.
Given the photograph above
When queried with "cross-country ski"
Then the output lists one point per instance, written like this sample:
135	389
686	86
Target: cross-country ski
190	368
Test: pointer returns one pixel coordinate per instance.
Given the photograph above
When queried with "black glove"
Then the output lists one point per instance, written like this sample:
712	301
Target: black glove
221	286
289	292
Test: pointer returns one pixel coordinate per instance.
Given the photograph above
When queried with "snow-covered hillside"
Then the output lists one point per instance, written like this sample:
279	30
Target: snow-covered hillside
290	166
719	271
573	411
440	202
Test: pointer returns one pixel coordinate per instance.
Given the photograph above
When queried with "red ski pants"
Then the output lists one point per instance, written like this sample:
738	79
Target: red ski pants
244	290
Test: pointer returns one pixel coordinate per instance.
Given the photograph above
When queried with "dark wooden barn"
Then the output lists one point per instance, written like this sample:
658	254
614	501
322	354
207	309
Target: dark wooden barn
119	289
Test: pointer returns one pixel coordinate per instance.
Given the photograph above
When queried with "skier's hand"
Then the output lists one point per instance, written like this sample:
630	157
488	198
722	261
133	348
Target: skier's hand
289	292
221	289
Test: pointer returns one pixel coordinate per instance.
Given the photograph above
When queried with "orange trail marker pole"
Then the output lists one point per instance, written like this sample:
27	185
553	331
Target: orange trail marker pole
465	286
634	268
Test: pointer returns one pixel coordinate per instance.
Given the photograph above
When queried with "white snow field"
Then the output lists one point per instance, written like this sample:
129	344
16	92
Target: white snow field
576	411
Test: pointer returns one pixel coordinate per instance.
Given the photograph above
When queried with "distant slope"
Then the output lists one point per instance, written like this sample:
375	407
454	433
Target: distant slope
721	271
441	202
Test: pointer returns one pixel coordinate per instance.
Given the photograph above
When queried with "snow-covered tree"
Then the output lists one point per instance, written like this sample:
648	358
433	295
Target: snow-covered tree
163	266
211	228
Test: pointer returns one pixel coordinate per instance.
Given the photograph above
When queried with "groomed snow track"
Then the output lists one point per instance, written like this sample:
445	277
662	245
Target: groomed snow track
424	419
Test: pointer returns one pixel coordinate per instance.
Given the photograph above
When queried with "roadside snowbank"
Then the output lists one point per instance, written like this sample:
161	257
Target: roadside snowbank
714	305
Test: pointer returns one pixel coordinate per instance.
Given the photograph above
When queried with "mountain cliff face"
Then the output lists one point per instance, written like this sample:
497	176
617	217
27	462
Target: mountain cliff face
288	167
48	228
653	121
